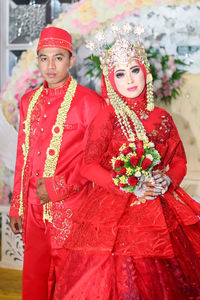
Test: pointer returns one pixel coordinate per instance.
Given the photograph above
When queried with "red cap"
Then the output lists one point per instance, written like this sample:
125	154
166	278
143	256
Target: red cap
53	37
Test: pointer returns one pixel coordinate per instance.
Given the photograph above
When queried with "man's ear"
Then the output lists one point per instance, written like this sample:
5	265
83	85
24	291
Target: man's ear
72	60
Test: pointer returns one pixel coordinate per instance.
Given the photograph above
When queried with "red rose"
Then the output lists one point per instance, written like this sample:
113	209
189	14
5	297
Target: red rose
127	150
134	160
122	171
139	144
146	163
122	185
140	152
119	164
114	174
133	181
139	148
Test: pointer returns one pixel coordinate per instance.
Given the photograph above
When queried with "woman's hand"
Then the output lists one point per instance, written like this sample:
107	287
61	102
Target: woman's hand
156	186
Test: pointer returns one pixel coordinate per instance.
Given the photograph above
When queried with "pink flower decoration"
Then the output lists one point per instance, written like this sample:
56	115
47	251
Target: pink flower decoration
33	82
93	24
76	23
118	17
85	29
112	3
37	73
28	90
17	96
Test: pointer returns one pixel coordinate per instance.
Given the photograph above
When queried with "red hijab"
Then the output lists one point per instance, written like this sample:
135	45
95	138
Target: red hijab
140	100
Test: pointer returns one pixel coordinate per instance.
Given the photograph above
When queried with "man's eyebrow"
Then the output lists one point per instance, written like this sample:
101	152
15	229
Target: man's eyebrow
59	54
42	55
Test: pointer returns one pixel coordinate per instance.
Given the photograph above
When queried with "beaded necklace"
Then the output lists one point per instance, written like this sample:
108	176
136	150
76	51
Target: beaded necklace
55	143
124	113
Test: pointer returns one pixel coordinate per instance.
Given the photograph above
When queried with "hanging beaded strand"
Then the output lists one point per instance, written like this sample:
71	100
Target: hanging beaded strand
123	112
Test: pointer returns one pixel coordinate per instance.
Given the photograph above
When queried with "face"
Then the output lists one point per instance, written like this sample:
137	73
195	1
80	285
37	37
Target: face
129	79
54	65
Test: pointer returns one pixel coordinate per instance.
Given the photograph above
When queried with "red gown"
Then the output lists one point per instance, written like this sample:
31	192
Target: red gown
148	251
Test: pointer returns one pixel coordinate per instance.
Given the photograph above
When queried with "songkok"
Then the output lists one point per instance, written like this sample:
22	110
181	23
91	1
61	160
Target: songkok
53	37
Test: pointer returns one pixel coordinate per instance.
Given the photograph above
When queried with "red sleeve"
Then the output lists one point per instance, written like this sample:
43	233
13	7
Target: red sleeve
58	189
90	105
15	200
177	164
98	138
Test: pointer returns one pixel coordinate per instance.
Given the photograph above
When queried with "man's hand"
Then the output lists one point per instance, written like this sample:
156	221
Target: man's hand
41	191
16	224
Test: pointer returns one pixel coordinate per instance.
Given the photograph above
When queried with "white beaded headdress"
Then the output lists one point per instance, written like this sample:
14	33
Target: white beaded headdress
127	47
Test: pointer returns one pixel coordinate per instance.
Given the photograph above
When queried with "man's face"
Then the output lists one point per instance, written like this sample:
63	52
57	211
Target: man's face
54	65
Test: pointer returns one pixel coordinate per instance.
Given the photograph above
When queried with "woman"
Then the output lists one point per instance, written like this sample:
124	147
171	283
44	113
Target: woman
142	244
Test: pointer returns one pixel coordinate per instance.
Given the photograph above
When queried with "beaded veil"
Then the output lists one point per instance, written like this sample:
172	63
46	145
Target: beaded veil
126	48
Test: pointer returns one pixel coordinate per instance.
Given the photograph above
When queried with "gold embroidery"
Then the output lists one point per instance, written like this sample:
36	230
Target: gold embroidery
25	146
54	148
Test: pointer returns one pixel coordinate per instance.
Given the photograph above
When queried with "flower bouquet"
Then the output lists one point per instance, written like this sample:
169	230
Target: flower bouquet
134	164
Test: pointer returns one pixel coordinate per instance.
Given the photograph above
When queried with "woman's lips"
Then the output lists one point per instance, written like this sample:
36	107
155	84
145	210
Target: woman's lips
132	89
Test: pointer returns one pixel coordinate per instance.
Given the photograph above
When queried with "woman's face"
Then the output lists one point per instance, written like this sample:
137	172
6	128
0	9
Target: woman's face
129	79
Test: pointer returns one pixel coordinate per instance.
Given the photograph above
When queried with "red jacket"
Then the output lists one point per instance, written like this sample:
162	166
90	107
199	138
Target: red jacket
67	188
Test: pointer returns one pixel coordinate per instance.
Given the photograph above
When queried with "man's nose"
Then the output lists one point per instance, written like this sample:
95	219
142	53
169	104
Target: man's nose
51	64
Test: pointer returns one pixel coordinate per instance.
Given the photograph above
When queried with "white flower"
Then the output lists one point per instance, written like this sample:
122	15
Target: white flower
139	29
91	45
157	84
138	174
151	144
100	36
126	27
149	156
114	28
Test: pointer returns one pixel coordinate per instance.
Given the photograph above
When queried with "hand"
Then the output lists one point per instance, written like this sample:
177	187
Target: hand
16	224
41	191
161	181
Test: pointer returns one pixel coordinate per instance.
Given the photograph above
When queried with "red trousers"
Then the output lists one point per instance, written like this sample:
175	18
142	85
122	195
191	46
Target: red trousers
41	263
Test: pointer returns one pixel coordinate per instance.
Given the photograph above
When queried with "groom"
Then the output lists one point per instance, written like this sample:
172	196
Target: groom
48	185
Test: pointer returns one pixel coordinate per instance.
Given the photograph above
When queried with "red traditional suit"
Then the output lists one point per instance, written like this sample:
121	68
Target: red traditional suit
148	251
67	189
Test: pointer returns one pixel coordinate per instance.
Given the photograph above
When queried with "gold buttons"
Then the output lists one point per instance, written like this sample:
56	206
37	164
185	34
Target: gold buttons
37	174
42	129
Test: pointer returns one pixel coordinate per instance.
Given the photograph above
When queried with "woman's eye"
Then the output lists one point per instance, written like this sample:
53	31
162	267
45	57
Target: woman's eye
43	59
136	70
59	58
120	75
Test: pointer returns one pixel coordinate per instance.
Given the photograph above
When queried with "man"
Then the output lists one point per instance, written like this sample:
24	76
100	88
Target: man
48	187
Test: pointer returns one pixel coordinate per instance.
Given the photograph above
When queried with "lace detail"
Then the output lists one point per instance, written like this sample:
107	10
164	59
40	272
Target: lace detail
61	226
98	141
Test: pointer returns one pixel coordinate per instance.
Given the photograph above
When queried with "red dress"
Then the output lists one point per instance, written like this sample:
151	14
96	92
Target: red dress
148	251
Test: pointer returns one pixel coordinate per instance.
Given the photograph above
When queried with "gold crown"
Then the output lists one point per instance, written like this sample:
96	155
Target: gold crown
127	46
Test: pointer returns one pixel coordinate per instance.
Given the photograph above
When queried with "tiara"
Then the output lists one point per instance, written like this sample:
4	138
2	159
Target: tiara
127	46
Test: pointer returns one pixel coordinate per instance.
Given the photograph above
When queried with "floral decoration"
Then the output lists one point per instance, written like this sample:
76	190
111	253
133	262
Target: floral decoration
133	164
